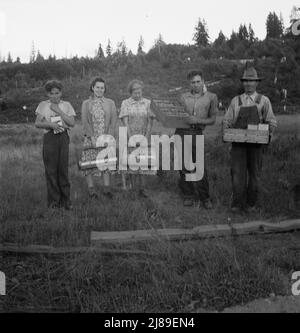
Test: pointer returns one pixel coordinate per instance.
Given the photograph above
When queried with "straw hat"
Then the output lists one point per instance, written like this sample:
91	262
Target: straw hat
250	74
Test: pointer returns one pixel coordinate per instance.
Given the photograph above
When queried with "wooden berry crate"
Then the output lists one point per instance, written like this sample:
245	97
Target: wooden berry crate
246	136
170	112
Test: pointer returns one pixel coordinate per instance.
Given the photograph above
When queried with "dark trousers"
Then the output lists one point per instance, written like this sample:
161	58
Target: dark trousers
56	161
246	164
198	189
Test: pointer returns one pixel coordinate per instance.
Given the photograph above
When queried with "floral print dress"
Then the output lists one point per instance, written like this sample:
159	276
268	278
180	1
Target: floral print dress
139	114
98	119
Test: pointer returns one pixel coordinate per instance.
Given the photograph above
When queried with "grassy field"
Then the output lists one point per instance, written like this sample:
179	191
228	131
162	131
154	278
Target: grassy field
181	276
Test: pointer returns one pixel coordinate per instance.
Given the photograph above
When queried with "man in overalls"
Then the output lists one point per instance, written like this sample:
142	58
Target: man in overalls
246	158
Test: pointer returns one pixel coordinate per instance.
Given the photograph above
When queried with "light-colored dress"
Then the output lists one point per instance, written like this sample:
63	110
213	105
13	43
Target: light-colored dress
98	121
138	113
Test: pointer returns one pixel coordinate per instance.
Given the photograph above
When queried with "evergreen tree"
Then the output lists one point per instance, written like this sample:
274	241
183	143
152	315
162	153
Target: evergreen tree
108	49
32	53
122	48
201	36
159	42
221	40
274	26
140	46
252	38
9	58
243	33
100	53
234	40
52	57
39	57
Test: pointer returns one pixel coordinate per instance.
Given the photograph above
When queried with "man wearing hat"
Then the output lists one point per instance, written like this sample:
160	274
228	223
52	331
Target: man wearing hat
246	158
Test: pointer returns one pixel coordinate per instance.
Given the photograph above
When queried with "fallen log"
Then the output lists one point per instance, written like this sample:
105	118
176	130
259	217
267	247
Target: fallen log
200	232
44	249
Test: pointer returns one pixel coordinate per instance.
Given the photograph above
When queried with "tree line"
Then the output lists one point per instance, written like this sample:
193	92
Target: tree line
277	58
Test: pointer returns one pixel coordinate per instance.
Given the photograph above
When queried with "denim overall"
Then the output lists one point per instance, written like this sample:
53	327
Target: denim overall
246	159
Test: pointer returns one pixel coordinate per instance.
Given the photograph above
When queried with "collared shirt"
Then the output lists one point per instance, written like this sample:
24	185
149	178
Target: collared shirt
45	111
264	109
201	106
138	113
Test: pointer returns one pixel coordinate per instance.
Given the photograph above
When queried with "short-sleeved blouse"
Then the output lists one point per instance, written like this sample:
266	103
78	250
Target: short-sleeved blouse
138	113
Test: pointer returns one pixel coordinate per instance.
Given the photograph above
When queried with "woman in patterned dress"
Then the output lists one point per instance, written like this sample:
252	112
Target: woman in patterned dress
136	115
99	116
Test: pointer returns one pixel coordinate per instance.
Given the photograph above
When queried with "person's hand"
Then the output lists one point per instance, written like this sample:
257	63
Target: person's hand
54	107
192	120
57	128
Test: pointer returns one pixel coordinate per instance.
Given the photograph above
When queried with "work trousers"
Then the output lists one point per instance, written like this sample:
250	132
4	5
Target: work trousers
56	162
192	189
246	165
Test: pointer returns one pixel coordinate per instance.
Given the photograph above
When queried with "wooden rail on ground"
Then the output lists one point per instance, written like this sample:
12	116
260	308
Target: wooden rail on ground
123	237
200	232
43	249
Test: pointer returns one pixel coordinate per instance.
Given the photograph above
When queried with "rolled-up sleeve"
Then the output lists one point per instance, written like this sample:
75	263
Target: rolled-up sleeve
71	111
124	110
39	109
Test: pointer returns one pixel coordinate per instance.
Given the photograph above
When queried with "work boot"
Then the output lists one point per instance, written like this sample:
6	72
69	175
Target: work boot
208	204
92	193
188	202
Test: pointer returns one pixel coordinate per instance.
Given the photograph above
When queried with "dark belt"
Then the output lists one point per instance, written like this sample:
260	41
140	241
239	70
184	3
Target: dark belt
196	127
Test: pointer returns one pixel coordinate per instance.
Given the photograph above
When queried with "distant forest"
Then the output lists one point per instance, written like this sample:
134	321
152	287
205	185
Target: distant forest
163	68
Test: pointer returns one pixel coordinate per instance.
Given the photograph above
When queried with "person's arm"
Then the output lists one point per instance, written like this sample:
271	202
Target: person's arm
113	119
151	117
42	123
124	116
87	127
269	116
69	120
125	121
149	127
229	116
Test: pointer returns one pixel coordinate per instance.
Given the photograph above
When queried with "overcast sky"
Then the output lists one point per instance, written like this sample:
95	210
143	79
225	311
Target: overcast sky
67	27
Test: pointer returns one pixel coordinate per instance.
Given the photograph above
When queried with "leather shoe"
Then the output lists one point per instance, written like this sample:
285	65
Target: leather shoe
187	202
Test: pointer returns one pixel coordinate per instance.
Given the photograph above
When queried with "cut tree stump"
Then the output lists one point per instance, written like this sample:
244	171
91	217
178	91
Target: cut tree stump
200	232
